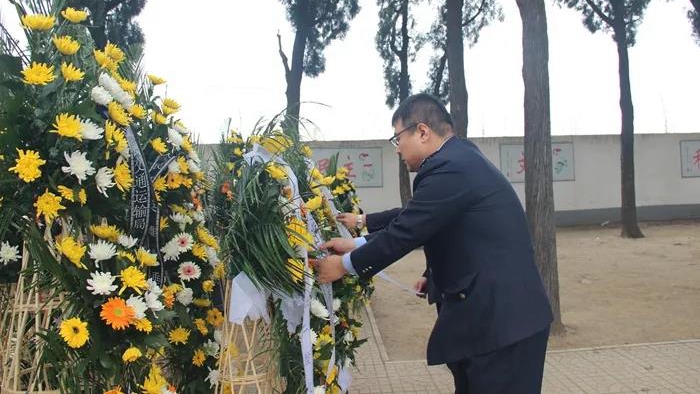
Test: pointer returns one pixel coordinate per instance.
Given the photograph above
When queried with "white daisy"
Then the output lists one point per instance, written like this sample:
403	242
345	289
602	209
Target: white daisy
102	250
184	296
181	220
211	348
90	131
348	337
126	241
101	283
213	377
320	390
100	96
184	242
314	336
181	129
174	167
212	256
109	83
318	310
218	335
104	180
171	250
336	304
198	215
188	271
78	165
138	305
174	138
153	287
8	253
153	302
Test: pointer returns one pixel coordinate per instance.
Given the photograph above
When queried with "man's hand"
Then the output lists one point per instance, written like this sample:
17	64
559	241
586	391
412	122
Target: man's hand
348	219
420	287
339	245
330	269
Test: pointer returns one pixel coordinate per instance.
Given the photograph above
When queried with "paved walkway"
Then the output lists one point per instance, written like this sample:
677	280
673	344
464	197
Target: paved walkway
672	367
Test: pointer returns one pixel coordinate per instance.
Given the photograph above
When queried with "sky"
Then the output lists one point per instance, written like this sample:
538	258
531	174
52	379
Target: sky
221	61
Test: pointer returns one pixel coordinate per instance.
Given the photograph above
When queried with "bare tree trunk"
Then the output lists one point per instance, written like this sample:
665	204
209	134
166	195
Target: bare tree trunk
296	72
455	68
539	194
404	87
630	226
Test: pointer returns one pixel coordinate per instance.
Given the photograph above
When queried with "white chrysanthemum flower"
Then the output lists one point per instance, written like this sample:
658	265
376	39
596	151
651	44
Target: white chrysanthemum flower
104	179
138	305
124	99
348	337
174	138
102	250
188	271
336	304
198	216
181	220
78	165
180	129
184	296
218	335
174	167
194	156
318	310
184	242
126	241
213	377
100	95
211	348
90	131
153	287
193	166
8	253
109	83
171	250
101	283
153	302
320	390
212	256
314	336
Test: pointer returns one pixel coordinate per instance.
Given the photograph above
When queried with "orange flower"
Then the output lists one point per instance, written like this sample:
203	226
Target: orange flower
116	313
116	390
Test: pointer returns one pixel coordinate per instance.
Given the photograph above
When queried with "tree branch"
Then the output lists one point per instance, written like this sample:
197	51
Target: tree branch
111	5
285	61
392	42
600	13
478	12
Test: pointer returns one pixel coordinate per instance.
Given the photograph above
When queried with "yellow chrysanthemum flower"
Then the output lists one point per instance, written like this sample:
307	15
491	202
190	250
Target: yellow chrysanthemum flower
137	111
66	193
27	165
117	114
128	86
74	332
159	146
219	271
155	80
143	325
154	383
199	251
215	317
275	171
296	269
146	258
48	204
133	278
122	176
127	255
327	180
198	358
276	143
106	231
306	151
314	203
201	326
179	335
168	102
206	238
208	286
159	118
238	152
72	249
201	302
186	145
338	191
82	196
68	126
163	223
131	354
38	74
71	73
104	61
298	235
74	16
182	164
38	22
114	53
66	45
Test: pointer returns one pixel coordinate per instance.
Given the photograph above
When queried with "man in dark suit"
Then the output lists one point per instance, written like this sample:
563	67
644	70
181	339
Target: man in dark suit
493	324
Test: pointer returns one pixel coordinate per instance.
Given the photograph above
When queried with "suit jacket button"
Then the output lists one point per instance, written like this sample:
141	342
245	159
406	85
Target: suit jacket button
462	296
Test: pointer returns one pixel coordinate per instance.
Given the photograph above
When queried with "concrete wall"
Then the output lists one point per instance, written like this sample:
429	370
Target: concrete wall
594	194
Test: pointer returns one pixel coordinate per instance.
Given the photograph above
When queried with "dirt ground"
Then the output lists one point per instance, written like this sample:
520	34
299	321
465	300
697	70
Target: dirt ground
613	290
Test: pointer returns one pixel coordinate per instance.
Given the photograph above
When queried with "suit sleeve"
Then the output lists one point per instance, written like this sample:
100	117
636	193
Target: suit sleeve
378	220
438	199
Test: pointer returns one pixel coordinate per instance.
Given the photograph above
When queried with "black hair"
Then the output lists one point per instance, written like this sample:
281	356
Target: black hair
423	108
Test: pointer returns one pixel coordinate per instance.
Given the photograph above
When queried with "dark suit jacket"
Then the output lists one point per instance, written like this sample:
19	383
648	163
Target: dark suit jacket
477	244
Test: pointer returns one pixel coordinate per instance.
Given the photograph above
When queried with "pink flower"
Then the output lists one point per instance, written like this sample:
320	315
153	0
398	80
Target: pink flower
189	270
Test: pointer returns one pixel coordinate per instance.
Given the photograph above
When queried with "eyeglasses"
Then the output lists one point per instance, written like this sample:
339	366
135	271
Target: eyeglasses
395	138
